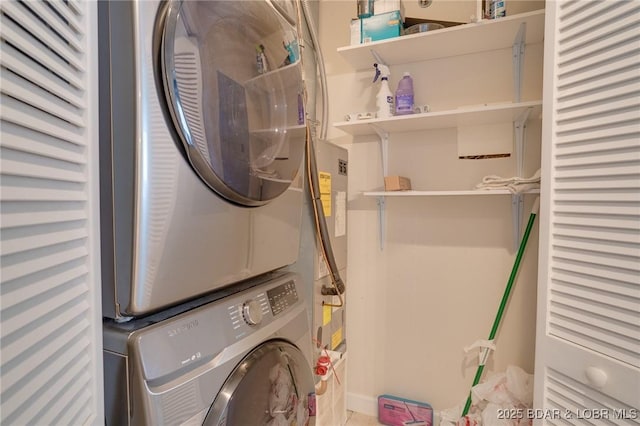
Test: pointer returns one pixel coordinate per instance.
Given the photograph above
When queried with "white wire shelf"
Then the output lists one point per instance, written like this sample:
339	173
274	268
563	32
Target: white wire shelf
463	116
465	39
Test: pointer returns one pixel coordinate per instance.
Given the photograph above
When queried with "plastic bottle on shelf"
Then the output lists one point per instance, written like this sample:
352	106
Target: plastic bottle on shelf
384	98
495	9
261	60
404	95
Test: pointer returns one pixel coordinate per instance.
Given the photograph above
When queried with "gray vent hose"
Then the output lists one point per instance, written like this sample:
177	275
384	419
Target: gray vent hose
338	287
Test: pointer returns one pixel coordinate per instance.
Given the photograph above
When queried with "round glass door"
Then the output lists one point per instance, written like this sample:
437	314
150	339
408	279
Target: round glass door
232	77
271	386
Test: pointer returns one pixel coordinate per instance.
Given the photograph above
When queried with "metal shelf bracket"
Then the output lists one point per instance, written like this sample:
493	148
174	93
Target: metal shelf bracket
517	200
517	203
518	60
382	221
384	157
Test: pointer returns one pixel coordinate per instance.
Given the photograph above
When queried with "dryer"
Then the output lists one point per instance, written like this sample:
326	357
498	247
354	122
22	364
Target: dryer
202	132
240	360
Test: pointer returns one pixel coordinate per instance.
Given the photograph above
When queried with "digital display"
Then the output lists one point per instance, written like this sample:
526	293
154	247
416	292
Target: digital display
281	297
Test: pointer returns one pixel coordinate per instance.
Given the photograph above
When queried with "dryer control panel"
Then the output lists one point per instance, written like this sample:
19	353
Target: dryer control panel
282	296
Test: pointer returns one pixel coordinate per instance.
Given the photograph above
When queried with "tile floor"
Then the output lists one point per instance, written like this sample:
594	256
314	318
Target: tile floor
359	419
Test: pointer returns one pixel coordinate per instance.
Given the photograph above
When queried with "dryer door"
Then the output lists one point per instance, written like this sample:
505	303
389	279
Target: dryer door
232	80
273	385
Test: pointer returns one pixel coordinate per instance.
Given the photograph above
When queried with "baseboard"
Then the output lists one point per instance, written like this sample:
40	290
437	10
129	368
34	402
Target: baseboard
362	404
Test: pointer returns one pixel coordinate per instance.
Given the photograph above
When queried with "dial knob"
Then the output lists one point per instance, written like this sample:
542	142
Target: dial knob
251	312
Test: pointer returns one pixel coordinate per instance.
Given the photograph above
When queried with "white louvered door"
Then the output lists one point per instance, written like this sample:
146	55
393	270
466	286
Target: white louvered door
588	338
51	326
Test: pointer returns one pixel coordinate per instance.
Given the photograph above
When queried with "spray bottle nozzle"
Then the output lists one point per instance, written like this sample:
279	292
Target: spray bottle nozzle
381	71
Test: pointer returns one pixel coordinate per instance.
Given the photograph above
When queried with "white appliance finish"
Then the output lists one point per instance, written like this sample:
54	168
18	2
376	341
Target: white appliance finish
199	152
223	363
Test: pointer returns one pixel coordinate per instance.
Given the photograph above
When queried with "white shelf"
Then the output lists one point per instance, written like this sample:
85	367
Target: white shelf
463	39
295	130
287	76
513	33
414	193
469	116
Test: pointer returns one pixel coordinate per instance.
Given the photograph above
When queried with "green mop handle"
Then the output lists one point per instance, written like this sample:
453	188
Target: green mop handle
505	297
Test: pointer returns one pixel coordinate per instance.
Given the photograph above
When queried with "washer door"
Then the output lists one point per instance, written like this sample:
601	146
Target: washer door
271	386
232	77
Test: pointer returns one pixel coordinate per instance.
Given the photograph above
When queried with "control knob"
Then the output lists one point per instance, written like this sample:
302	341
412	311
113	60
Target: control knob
251	312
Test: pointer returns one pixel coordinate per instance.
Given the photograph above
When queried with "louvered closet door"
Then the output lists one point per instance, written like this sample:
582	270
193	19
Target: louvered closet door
50	315
588	342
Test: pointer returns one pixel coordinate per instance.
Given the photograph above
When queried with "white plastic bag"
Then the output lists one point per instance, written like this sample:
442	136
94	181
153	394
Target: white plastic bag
505	398
501	400
520	385
493	389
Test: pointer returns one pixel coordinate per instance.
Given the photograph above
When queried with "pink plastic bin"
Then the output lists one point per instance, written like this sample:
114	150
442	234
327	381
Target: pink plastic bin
395	411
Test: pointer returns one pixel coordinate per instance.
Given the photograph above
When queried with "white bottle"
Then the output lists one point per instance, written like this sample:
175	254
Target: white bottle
384	100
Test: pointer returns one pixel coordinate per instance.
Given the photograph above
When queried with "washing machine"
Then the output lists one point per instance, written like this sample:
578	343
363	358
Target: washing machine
243	359
202	134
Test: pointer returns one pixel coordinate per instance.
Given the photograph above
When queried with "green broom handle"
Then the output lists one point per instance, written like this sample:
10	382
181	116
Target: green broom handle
505	296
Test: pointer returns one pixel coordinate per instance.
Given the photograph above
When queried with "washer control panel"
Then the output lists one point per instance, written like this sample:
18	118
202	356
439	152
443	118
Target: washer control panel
250	312
282	296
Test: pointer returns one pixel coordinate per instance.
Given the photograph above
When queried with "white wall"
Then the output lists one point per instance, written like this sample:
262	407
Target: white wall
436	286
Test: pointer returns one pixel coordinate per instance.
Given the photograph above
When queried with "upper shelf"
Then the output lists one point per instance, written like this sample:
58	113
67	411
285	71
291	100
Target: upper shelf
467	116
463	39
287	76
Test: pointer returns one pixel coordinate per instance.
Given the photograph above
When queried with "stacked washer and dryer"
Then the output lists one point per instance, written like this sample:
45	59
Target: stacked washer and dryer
202	136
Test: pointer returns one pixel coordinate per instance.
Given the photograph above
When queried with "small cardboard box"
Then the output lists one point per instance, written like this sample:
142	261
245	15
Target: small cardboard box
395	411
382	26
397	183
